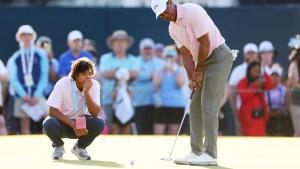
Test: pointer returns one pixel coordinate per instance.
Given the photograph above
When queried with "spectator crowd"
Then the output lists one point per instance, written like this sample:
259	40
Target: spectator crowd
147	93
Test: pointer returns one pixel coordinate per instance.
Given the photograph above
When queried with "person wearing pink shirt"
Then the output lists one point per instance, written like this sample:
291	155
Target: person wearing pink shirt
74	107
207	61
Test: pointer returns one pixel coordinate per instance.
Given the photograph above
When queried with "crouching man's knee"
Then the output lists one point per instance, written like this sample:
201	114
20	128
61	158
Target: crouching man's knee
96	126
51	125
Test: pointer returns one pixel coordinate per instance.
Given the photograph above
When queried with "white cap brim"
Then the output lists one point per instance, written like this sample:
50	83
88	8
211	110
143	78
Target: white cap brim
158	7
25	29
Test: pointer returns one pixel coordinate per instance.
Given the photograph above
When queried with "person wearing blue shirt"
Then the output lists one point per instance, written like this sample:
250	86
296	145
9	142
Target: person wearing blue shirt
119	42
143	88
169	81
75	43
28	71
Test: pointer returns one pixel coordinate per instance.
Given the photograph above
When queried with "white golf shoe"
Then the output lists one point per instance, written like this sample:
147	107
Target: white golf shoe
186	160
204	159
81	153
58	153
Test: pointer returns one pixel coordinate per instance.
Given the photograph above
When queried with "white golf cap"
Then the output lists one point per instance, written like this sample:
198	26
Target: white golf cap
250	47
74	35
158	6
147	43
25	29
170	51
276	68
266	46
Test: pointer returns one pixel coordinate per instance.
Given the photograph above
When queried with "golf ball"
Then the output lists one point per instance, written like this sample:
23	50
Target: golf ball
132	162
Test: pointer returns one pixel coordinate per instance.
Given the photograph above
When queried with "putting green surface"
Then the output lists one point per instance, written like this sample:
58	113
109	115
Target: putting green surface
141	152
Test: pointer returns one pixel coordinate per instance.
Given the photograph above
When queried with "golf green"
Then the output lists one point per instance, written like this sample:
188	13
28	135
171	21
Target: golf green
141	152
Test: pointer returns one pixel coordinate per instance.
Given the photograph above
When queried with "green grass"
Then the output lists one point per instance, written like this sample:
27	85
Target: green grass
34	152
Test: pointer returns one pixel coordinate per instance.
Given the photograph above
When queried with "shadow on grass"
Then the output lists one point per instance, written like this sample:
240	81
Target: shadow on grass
108	164
209	167
215	167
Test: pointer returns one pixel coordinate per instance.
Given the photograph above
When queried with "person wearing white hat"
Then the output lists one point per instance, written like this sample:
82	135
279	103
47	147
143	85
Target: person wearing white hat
250	52
169	81
143	88
159	47
278	103
266	56
119	42
28	70
75	43
200	44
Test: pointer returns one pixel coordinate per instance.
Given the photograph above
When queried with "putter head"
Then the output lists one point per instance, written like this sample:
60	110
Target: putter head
167	158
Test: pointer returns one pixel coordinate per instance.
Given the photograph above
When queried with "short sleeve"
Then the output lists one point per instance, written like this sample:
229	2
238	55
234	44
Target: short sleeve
56	96
104	63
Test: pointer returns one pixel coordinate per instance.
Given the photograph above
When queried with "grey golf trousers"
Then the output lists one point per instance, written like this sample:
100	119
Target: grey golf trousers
205	104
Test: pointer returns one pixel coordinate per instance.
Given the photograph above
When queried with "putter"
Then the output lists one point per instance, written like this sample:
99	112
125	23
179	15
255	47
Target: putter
169	158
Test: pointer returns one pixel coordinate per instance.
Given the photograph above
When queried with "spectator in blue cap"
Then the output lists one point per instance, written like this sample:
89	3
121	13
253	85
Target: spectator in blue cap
143	87
169	81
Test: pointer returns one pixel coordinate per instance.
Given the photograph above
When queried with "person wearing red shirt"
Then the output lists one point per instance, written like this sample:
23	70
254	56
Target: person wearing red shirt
254	111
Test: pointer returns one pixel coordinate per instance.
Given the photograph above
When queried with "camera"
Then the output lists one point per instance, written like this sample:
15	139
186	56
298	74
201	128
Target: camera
294	42
258	113
294	45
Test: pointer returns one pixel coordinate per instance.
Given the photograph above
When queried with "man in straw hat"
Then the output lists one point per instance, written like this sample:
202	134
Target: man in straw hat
208	61
28	71
119	42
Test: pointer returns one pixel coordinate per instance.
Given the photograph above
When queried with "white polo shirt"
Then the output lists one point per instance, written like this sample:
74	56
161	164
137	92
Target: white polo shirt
237	74
192	23
62	97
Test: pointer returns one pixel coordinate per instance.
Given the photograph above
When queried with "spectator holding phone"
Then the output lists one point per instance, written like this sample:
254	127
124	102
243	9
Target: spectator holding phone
254	112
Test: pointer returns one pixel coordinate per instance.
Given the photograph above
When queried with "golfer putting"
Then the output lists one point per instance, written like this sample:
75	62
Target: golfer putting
207	61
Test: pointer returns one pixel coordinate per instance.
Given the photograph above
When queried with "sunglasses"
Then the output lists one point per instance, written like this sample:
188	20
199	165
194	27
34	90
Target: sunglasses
26	34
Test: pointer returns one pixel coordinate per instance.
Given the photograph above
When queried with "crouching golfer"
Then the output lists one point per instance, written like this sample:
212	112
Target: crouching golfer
74	107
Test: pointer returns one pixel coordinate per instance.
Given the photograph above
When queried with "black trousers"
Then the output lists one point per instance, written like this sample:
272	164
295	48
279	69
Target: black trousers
56	130
143	119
